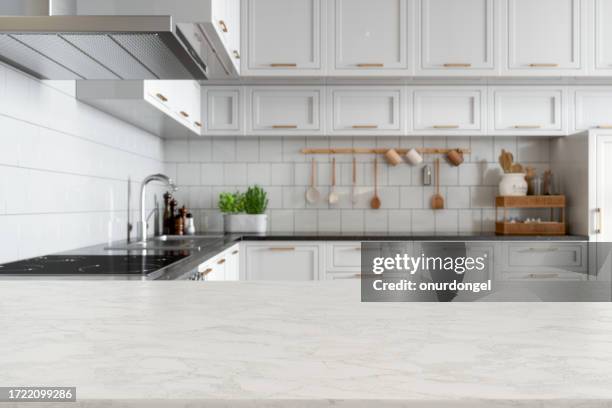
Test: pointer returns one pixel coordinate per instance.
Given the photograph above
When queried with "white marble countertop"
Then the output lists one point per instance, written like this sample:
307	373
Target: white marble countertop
261	344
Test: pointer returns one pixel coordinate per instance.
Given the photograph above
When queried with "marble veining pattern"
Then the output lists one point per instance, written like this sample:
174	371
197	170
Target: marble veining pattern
315	344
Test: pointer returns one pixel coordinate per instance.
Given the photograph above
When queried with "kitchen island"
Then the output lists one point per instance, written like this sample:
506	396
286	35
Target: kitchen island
304	344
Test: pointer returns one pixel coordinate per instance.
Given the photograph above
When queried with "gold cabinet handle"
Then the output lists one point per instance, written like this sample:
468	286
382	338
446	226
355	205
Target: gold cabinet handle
184	114
161	97
604	127
445	126
198	124
235	252
223	26
598	225
541	65
527	126
283	65
371	65
284	126
365	126
206	272
550	249
236	54
456	65
221	261
282	249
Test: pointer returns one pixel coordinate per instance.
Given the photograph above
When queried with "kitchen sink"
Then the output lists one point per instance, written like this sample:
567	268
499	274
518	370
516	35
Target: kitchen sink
169	243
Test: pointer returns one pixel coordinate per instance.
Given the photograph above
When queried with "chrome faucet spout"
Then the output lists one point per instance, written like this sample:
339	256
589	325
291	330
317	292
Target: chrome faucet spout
143	194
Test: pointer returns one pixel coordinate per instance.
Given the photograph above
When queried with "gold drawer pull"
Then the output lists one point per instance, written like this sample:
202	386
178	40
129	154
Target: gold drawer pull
527	126
236	54
357	275
284	126
543	65
283	65
365	126
357	249
235	252
445	126
161	97
206	272
604	127
551	249
198	124
184	114
223	26
456	65
543	275
282	249
371	65
221	261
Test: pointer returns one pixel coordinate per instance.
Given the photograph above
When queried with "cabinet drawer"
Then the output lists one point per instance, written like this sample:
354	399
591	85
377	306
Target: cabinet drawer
282	261
343	257
343	276
527	111
448	110
543	261
592	109
223	111
285	110
366	110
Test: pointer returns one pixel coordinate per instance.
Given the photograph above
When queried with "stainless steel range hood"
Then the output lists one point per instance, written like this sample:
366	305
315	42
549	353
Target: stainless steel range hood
99	47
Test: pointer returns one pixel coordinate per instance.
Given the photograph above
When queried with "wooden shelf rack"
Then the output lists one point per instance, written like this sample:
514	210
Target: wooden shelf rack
505	227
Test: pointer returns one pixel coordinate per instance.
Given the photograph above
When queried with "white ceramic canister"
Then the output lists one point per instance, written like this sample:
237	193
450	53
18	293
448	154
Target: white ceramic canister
513	184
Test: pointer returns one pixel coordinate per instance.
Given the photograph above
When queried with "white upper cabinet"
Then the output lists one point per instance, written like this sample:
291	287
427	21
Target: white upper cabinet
368	37
284	110
592	108
601	38
226	19
543	37
283	37
374	110
456	37
527	110
222	110
449	110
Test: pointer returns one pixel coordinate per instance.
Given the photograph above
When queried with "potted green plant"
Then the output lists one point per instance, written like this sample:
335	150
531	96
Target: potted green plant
245	212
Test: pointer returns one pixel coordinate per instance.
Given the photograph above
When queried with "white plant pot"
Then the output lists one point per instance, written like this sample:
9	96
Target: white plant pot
245	223
513	184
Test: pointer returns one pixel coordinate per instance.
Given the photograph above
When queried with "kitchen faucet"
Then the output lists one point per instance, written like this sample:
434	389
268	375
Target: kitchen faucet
143	190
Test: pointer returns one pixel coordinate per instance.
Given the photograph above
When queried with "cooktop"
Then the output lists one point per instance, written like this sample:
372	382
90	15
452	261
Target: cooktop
89	265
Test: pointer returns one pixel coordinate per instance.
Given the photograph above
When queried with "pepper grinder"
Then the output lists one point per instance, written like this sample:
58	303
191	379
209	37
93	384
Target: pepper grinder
427	175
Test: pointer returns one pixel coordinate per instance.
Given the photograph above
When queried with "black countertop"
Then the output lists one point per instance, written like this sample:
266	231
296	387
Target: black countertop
189	259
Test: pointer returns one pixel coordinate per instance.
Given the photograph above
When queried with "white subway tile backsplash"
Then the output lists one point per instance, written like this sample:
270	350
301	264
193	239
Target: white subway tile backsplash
294	197
223	149
447	221
247	149
212	174
275	197
376	220
423	221
400	221
352	221
188	174
411	197
200	151
281	174
270	149
235	174
458	197
329	220
483	197
281	220
306	220
470	221
259	173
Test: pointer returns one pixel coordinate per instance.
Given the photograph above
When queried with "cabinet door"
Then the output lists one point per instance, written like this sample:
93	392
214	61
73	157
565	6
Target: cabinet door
602	214
369	37
456	37
448	110
592	108
361	110
281	261
222	107
343	257
232	266
527	110
286	110
284	36
602	41
543	37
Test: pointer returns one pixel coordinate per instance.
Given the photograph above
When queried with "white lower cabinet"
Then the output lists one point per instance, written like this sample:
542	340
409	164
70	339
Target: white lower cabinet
223	267
542	261
440	110
283	261
527	110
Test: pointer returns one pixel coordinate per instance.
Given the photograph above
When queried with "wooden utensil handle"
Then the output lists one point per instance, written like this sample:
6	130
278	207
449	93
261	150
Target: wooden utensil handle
333	172
354	170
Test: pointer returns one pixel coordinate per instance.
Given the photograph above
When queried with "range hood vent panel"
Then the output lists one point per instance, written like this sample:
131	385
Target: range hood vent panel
26	59
62	52
115	57
99	47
